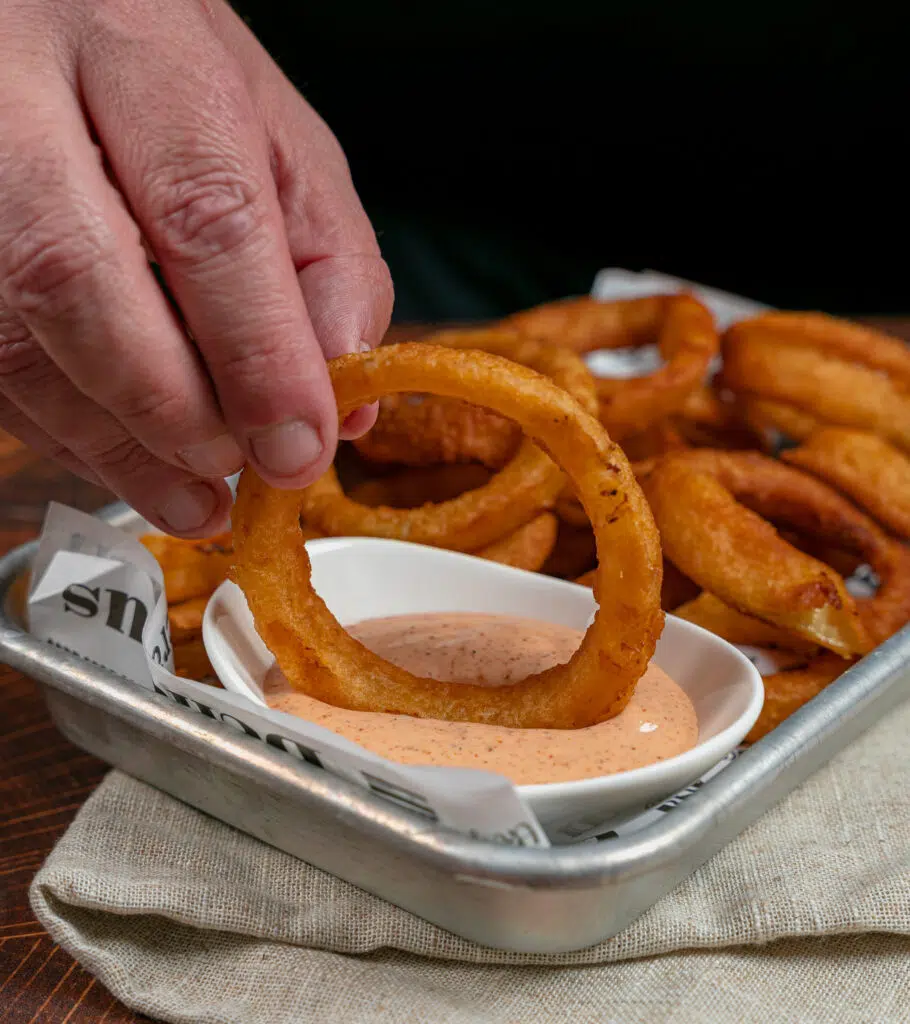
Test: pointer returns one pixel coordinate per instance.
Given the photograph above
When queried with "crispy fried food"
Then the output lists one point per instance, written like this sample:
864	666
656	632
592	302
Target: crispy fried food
866	468
528	547
569	509
574	553
771	421
844	562
185	619
192	568
657	440
426	430
682	328
707	421
676	588
529	483
699	500
837	372
420	486
712	614
789	689
191	661
321	659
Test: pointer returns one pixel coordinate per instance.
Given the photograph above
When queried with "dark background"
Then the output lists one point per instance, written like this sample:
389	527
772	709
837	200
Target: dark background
507	151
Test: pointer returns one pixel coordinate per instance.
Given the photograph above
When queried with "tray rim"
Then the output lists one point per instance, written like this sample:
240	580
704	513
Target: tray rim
719	811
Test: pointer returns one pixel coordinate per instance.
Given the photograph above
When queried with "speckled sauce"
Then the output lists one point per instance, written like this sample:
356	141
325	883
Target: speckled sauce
659	722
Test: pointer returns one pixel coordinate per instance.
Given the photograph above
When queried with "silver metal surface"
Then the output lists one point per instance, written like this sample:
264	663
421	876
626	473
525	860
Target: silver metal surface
524	900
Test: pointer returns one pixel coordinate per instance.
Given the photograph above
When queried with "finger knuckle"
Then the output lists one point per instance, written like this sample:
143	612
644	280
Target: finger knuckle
46	267
201	217
117	457
23	362
151	405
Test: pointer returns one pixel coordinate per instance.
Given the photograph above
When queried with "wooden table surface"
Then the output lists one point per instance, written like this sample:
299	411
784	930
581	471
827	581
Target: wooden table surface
44	780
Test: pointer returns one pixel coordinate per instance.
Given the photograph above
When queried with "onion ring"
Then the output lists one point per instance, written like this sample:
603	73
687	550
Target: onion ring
789	689
528	547
866	468
731	551
658	439
192	662
707	421
529	483
574	552
420	486
191	568
773	421
321	659
837	372
712	614
185	619
675	589
426	430
681	326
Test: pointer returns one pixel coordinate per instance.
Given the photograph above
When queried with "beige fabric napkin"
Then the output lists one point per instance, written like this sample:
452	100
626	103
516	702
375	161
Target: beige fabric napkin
805	917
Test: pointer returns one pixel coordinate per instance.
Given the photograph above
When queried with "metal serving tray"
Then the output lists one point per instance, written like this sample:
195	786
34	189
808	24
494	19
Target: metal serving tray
528	900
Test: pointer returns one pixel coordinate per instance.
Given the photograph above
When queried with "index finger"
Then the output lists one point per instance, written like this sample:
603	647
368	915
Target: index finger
194	164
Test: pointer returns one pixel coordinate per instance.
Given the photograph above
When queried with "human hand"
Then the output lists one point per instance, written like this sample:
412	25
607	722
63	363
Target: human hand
163	123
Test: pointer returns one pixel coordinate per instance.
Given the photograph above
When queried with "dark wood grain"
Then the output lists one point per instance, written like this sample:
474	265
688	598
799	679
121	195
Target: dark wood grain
44	779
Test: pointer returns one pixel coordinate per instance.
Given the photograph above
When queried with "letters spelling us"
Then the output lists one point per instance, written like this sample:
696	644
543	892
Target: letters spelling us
86	602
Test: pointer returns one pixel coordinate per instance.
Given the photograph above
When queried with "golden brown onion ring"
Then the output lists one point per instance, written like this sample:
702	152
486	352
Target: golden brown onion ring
426	430
657	440
707	421
185	619
789	689
675	589
192	568
731	551
420	486
770	421
321	659
836	372
574	552
682	328
528	547
712	614
529	483
866	468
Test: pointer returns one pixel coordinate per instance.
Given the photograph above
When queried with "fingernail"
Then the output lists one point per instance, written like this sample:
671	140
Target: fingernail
217	458
287	449
189	507
364	346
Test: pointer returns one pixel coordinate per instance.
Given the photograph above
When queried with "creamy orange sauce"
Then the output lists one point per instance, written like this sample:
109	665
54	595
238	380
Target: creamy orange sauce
659	721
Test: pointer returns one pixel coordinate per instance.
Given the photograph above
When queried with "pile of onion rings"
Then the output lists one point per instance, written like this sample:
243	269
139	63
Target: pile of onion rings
756	549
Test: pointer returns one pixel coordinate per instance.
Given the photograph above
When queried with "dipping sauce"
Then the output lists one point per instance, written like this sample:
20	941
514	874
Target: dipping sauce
659	721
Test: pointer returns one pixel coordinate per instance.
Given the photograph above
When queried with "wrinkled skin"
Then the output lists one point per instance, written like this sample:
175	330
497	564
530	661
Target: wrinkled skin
138	127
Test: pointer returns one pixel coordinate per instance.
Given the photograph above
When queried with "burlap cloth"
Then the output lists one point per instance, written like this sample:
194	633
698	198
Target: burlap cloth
804	918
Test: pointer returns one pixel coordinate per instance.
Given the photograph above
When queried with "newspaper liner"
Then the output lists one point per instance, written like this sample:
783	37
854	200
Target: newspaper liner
98	593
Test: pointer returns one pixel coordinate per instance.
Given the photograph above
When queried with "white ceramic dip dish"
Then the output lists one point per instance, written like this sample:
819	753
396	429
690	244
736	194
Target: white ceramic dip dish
361	578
